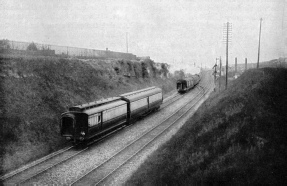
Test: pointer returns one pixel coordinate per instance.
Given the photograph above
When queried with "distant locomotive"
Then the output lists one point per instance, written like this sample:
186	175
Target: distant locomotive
184	85
86	121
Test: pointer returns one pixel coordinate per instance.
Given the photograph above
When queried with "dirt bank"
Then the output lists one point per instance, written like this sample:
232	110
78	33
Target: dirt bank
36	90
237	137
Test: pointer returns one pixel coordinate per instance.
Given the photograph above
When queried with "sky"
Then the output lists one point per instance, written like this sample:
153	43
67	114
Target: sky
183	33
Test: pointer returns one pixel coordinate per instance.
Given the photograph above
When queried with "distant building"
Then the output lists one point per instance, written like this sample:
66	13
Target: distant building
143	57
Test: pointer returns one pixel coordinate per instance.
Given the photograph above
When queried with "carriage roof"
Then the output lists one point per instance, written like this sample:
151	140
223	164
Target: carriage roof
141	94
105	107
93	104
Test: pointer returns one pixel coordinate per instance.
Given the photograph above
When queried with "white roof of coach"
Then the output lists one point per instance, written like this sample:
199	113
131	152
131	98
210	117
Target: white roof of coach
104	107
136	92
93	104
142	94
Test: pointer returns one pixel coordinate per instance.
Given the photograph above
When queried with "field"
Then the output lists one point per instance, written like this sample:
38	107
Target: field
36	90
237	137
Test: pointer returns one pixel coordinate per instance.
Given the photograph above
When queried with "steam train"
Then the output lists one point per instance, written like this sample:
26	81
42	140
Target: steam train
183	85
83	122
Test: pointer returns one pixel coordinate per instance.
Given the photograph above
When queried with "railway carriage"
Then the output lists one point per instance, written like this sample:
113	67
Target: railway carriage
143	101
183	85
86	121
83	122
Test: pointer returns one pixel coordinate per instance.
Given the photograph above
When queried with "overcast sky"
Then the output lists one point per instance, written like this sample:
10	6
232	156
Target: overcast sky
178	32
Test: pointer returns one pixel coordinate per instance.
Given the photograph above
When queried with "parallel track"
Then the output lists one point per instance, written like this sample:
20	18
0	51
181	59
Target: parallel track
98	174
28	172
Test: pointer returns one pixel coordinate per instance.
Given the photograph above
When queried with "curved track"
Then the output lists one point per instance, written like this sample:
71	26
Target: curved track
100	173
39	167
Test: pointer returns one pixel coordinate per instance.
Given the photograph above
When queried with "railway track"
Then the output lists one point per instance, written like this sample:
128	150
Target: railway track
106	169
30	172
19	177
40	166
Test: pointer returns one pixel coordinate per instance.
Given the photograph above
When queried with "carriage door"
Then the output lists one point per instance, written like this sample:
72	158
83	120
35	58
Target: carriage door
95	121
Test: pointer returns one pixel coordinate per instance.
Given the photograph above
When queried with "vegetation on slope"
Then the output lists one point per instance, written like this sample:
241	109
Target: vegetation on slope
36	90
237	137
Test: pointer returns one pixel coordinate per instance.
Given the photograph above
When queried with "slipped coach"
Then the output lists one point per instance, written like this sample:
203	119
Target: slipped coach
183	85
82	122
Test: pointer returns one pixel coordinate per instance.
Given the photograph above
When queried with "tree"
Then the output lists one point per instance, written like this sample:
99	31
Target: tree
4	44
165	69
32	47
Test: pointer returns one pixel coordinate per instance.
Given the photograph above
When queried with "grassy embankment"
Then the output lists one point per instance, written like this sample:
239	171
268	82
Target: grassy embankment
36	90
237	137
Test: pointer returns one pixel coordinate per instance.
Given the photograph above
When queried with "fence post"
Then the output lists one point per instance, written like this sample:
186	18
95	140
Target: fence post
245	63
236	65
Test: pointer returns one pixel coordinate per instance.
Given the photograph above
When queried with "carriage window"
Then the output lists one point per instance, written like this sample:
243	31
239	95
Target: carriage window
99	118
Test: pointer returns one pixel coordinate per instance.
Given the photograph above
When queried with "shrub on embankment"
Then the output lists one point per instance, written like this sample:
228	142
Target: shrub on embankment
237	137
36	90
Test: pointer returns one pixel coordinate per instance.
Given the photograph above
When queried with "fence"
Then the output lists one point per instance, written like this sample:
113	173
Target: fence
63	50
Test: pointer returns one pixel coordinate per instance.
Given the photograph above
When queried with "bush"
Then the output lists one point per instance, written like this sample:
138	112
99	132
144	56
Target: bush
145	73
4	44
32	47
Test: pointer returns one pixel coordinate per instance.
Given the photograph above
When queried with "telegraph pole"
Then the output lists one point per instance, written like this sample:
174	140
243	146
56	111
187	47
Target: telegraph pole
259	44
227	30
215	71
236	65
127	42
245	64
220	65
226	80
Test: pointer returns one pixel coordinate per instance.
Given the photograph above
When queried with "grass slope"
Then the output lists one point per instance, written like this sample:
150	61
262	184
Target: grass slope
36	90
237	137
